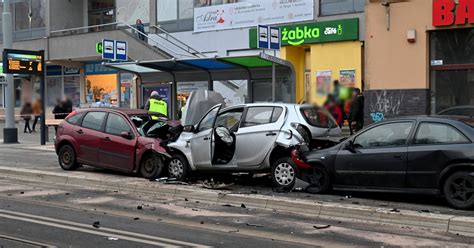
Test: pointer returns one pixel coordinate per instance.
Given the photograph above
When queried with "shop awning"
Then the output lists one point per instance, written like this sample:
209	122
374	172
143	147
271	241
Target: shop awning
261	71
199	69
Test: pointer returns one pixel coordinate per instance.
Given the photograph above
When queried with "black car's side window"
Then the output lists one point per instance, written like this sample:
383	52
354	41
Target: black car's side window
116	125
94	120
437	133
385	135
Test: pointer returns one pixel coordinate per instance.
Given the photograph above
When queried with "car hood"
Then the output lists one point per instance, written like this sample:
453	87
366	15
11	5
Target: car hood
198	104
318	155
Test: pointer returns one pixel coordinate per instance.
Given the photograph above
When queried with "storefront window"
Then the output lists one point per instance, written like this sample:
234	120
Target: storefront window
452	73
336	7
54	90
72	89
126	80
101	12
101	90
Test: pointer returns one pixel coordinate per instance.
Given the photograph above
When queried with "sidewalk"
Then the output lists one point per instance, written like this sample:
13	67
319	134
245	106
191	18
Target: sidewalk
40	165
28	138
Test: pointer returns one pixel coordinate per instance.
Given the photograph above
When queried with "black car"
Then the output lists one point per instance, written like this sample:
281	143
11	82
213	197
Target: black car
459	111
427	155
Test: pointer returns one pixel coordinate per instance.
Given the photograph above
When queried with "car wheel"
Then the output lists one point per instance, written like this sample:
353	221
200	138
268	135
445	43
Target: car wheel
284	173
151	166
458	190
178	167
67	158
318	180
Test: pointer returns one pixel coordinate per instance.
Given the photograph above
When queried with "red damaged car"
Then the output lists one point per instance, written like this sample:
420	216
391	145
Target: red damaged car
118	139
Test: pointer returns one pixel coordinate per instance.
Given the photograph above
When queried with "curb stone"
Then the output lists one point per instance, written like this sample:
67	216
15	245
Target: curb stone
441	222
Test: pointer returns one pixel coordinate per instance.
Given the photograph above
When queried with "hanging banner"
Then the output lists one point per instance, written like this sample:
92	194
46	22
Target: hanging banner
347	78
323	83
251	13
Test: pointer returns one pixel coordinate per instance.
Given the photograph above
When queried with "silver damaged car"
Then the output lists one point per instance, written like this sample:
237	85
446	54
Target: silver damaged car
253	137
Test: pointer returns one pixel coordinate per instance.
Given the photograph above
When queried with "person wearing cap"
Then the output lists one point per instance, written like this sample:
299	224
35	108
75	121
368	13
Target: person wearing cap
156	105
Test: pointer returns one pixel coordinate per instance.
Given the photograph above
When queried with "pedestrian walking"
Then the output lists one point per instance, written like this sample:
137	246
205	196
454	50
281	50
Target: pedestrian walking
156	105
36	112
356	115
26	112
141	29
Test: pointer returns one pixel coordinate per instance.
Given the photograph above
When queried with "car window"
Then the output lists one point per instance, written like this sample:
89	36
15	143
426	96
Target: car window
229	119
276	113
94	120
318	117
75	119
258	116
116	125
390	134
437	133
208	121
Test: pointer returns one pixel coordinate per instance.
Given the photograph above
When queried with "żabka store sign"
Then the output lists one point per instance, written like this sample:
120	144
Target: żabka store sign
446	13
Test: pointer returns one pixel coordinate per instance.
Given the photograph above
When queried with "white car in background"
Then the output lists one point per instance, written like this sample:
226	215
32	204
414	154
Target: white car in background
255	137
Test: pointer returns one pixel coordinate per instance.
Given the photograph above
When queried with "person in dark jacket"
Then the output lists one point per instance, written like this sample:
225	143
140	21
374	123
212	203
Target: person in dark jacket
141	29
26	113
356	114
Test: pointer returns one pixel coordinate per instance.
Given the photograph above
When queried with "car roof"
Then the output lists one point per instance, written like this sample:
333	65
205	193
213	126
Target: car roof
435	118
269	104
125	111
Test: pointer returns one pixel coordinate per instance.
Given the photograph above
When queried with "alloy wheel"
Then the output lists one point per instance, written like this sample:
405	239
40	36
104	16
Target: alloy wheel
176	168
284	174
461	189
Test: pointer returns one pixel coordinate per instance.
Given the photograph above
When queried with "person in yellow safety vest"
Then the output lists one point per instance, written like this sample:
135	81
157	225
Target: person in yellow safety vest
156	105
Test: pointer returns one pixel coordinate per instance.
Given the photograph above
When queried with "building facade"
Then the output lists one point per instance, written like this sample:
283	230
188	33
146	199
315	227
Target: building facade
323	39
419	57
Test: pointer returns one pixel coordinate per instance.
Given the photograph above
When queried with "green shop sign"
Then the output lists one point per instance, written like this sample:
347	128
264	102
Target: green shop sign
319	32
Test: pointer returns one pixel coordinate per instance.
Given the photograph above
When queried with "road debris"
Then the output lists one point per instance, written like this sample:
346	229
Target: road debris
254	225
96	224
112	238
321	226
394	210
243	206
139	207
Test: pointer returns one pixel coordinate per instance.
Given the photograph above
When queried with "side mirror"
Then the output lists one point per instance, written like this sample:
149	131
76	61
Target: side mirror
125	135
189	129
350	146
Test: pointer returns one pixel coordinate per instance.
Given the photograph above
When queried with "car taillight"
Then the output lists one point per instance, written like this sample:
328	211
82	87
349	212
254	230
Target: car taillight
73	113
295	156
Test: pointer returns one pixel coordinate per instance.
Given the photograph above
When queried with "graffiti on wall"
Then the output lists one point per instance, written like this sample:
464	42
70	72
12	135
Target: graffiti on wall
383	104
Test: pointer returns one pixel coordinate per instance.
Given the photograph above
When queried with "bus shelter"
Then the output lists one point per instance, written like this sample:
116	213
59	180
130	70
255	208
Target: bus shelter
269	79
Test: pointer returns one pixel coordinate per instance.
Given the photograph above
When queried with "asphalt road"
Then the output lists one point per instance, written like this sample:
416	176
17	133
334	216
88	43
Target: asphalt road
51	215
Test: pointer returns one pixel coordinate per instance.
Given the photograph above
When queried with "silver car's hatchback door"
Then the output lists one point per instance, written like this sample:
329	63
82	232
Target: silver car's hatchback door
257	134
200	143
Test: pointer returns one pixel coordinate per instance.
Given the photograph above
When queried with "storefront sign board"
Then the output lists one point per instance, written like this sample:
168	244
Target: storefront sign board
318	32
449	12
251	13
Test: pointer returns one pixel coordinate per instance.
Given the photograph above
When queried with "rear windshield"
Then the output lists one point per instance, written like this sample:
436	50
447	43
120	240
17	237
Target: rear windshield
318	117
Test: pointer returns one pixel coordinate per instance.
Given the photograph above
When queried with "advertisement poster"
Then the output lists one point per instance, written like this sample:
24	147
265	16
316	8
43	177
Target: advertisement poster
251	13
347	78
323	83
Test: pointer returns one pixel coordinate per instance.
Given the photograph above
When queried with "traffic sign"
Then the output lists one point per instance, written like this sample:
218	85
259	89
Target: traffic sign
121	48
23	62
263	40
275	38
108	49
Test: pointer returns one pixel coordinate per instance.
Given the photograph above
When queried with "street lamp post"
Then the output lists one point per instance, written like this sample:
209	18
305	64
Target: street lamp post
10	133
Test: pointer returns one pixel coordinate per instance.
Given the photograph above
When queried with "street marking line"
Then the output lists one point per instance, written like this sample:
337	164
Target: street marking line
86	230
82	226
25	241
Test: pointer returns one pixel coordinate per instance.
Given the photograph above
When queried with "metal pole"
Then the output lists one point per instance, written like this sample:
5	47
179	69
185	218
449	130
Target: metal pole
273	83
44	130
10	133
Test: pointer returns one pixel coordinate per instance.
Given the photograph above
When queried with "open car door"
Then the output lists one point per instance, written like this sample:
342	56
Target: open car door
224	138
200	143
